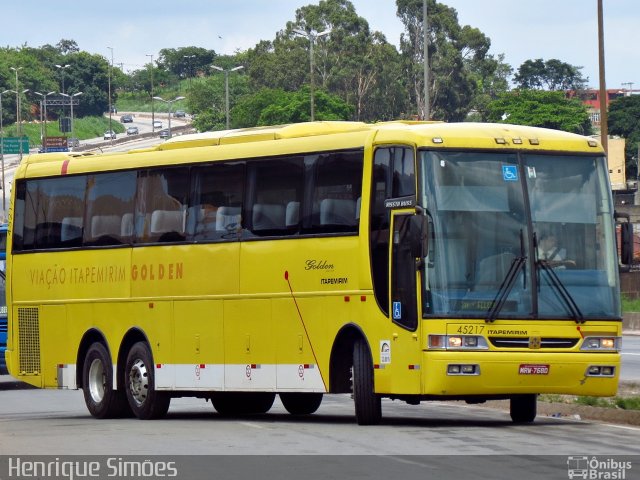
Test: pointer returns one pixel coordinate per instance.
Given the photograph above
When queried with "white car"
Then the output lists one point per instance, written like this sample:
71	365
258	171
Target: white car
109	135
157	124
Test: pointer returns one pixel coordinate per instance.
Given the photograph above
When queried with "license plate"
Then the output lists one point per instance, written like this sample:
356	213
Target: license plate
529	369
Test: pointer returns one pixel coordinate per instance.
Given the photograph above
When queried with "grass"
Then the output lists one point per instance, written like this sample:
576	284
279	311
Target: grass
627	399
630	305
87	127
141	102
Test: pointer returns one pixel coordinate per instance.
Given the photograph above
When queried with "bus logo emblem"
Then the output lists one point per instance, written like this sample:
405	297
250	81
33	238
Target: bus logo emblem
535	343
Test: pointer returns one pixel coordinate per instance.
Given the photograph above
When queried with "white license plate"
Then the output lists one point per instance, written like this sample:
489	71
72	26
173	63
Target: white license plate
533	369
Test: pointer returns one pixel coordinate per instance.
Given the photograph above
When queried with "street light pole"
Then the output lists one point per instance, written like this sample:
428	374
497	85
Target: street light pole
153	127
170	102
110	69
18	126
226	87
4	211
189	72
44	104
312	36
62	69
71	97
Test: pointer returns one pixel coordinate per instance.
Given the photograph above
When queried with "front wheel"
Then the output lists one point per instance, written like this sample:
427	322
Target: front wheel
145	401
523	408
297	403
368	404
97	385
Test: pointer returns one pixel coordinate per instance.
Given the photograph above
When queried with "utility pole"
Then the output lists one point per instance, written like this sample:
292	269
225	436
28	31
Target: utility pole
312	36
425	28
110	107
153	128
604	124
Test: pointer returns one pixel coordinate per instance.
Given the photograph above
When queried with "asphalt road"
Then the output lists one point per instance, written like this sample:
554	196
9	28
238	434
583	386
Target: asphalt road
411	441
630	370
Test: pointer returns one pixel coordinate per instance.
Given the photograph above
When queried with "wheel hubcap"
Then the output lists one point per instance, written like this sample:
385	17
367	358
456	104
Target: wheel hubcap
96	381
138	382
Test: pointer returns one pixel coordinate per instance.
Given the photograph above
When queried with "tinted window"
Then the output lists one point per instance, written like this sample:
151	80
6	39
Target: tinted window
277	187
215	211
393	177
336	194
110	200
161	205
53	213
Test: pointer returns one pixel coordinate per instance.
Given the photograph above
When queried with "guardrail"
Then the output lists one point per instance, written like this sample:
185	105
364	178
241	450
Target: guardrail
128	138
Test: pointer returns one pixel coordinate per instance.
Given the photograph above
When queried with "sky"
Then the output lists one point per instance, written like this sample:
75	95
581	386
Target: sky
520	29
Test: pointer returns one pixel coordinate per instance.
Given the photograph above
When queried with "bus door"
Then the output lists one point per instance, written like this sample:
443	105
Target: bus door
405	254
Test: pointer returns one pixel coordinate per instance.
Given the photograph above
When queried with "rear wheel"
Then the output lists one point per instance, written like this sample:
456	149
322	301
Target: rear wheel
145	401
97	384
301	403
523	408
368	404
242	403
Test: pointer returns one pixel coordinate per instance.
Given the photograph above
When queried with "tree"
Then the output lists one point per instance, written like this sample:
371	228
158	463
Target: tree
540	108
550	75
624	120
276	106
207	99
186	62
65	46
358	65
455	53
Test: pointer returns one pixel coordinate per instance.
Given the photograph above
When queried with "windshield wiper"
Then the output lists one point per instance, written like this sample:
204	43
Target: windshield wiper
563	293
505	288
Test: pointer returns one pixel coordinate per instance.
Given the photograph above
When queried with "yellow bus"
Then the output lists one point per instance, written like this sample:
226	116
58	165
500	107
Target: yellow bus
400	260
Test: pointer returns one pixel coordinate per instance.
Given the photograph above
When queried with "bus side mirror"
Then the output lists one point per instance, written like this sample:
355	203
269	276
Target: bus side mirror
419	235
626	243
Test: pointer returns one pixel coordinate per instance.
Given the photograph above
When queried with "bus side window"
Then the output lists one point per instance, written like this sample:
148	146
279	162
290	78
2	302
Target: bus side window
215	209
337	190
161	205
50	203
109	204
275	187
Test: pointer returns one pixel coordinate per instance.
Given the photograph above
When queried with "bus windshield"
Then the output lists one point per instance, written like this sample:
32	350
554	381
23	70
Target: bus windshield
518	236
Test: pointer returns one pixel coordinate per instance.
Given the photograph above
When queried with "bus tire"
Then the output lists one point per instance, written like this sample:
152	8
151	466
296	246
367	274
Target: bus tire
145	401
523	408
242	403
368	404
97	384
298	403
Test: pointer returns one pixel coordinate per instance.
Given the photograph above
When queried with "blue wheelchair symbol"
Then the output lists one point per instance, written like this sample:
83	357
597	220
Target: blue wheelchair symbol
510	173
397	311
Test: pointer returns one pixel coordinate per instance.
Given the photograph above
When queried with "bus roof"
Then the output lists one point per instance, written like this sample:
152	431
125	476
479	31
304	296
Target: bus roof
436	135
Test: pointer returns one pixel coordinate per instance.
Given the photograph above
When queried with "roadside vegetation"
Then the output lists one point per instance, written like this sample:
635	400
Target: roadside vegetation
630	305
628	398
84	128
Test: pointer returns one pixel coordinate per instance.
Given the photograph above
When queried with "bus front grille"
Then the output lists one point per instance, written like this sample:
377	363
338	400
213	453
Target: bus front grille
524	342
29	340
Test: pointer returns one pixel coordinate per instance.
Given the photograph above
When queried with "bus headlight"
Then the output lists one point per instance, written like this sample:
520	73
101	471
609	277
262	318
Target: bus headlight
457	342
601	344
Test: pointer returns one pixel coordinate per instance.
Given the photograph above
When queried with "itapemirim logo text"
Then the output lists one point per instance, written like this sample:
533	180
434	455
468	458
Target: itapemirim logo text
597	468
